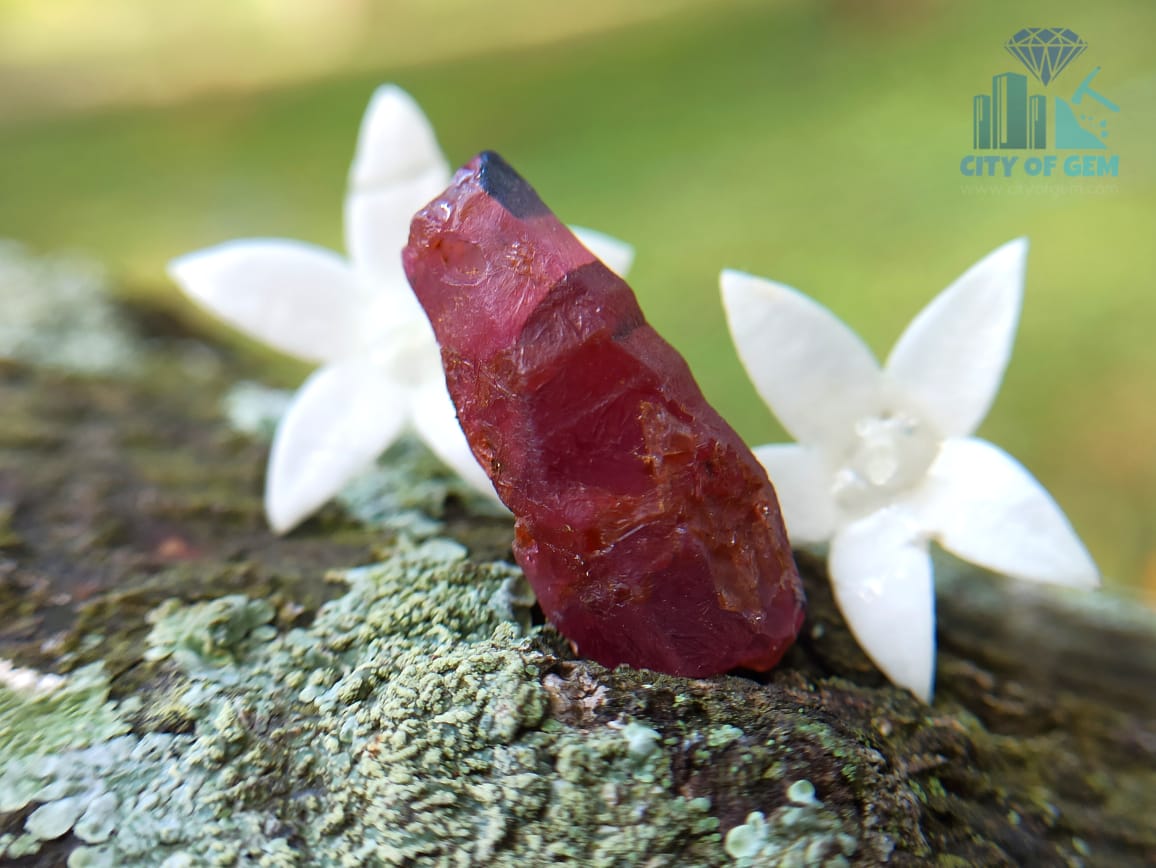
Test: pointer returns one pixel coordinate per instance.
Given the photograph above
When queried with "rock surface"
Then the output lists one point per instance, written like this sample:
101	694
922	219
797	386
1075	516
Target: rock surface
646	527
286	709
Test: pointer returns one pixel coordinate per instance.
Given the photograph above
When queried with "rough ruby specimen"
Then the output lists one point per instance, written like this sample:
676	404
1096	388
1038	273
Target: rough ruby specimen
648	530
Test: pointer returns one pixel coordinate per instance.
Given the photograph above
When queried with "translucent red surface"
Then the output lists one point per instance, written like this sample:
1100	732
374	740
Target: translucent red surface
648	530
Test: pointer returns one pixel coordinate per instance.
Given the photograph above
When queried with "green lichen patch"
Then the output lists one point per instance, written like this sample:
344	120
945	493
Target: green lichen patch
57	714
410	713
410	491
254	410
57	313
802	833
408	723
209	635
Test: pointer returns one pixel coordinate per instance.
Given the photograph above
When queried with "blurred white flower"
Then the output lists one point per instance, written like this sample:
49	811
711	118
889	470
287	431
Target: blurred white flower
380	366
885	460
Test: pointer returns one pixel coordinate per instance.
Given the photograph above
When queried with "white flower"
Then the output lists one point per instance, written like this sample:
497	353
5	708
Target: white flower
885	460
380	367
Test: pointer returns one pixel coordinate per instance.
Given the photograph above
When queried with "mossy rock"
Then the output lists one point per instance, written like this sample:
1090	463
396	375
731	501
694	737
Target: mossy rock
354	695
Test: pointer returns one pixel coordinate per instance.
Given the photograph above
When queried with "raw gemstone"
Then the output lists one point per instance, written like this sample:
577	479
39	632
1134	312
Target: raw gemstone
648	530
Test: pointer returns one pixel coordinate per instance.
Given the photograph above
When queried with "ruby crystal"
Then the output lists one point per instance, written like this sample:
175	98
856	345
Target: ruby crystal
646	527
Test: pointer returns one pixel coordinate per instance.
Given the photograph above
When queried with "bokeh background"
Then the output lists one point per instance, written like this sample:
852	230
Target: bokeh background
817	143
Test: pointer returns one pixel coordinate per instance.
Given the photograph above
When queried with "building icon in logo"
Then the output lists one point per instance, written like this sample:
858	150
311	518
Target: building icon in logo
1011	118
1038	121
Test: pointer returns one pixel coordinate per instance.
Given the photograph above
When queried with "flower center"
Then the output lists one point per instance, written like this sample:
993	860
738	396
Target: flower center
890	452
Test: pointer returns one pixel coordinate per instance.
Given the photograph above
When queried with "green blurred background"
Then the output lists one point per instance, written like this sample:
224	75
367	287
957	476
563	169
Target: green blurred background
815	143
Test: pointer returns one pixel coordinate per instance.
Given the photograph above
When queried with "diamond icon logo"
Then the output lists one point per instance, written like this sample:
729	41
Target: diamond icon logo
1046	51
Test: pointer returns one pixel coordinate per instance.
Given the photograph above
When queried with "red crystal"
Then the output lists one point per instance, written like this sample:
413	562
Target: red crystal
648	530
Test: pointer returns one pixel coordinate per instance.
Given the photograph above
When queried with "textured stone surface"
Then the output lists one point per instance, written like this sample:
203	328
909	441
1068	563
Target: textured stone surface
382	717
648	530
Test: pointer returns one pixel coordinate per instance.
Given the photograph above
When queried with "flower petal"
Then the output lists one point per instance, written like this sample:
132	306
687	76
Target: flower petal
436	422
395	143
343	417
985	507
952	357
815	374
617	255
377	228
398	168
803	485
881	576
296	297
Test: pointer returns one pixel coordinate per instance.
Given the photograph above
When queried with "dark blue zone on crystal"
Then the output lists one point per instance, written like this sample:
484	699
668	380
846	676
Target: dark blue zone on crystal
507	187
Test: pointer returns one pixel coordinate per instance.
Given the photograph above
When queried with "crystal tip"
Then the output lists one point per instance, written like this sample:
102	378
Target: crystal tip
507	187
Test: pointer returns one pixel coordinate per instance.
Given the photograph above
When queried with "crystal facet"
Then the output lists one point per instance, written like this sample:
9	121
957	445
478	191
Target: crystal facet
1046	51
648	530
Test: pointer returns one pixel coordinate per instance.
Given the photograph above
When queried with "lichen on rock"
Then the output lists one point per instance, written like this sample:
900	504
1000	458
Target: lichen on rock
407	491
407	722
57	313
801	833
205	637
55	714
425	715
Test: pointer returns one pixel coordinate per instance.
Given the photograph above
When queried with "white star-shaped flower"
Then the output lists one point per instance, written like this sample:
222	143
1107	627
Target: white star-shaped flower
885	461
380	367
